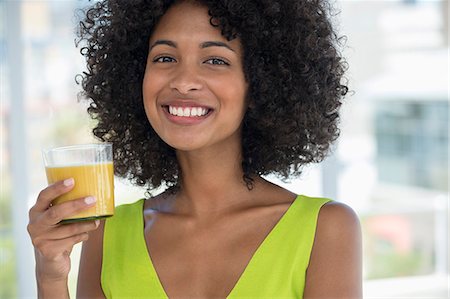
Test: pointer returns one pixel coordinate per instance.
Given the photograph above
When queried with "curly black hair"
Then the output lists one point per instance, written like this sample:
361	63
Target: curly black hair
291	61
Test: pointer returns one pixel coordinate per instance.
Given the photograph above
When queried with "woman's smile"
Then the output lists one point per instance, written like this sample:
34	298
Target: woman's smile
186	113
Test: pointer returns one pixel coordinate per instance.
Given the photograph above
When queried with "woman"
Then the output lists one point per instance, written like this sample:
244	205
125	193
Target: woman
206	97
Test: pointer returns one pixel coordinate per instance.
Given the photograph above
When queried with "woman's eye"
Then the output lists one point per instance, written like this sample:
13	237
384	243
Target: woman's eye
163	59
216	61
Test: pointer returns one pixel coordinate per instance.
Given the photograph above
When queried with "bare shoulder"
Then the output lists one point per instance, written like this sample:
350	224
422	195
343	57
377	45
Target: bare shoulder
335	267
89	274
160	202
336	218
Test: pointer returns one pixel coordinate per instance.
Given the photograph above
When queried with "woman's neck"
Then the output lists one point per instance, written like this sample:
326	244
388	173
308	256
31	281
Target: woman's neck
211	181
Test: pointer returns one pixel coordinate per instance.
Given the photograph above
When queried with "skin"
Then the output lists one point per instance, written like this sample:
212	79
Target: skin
54	242
195	70
217	223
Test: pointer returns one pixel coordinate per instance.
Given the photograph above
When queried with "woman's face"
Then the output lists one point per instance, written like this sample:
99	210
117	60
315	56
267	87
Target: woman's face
194	86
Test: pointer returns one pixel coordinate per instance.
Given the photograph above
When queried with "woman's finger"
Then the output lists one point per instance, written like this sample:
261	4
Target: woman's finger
56	213
47	195
67	230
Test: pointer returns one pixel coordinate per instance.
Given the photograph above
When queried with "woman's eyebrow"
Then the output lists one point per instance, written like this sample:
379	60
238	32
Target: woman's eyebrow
163	42
203	45
215	44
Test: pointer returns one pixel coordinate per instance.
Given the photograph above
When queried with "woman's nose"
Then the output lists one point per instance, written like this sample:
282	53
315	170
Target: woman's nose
185	80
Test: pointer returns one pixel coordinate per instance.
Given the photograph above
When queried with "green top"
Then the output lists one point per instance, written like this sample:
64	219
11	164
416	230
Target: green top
276	270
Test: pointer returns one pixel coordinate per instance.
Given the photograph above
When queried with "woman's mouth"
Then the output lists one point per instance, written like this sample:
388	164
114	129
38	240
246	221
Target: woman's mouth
187	111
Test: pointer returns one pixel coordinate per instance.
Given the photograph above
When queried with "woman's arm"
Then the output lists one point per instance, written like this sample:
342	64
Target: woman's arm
53	242
89	273
335	267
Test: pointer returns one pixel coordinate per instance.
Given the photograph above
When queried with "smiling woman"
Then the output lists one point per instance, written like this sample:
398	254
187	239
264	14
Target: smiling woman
206	97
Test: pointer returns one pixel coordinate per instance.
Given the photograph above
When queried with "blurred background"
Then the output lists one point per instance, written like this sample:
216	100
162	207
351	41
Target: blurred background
390	164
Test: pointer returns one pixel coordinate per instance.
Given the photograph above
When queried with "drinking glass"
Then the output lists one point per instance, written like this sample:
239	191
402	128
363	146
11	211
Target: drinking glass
91	166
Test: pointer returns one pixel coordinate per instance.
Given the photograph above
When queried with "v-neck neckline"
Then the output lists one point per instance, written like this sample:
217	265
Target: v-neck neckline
152	270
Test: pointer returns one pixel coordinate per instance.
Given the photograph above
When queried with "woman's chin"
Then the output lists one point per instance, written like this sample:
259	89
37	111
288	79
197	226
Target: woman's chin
184	146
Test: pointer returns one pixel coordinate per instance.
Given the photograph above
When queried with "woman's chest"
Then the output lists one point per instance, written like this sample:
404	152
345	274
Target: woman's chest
206	260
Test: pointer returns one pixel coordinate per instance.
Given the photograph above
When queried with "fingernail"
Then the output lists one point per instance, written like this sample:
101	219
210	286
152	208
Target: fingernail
89	200
97	222
69	182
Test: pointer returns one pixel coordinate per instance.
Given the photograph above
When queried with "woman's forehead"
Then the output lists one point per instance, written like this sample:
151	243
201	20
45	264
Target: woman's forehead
185	16
188	21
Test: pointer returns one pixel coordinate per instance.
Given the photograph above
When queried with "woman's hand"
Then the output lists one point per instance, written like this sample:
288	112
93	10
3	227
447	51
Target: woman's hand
53	242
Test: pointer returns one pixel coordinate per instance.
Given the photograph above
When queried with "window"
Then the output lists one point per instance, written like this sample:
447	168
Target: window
393	154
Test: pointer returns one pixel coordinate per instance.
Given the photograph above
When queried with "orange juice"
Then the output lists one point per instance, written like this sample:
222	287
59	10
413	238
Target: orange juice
95	179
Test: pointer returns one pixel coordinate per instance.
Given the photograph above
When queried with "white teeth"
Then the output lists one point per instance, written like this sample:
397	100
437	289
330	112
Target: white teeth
188	111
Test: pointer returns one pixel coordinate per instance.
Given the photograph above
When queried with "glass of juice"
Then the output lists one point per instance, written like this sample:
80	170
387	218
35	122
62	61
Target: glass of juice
91	166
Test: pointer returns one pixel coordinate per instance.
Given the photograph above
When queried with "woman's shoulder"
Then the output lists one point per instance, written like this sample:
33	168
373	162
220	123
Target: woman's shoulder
337	217
329	212
336	254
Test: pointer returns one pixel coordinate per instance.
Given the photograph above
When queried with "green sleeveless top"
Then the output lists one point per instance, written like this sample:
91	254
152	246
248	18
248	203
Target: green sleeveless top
276	270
